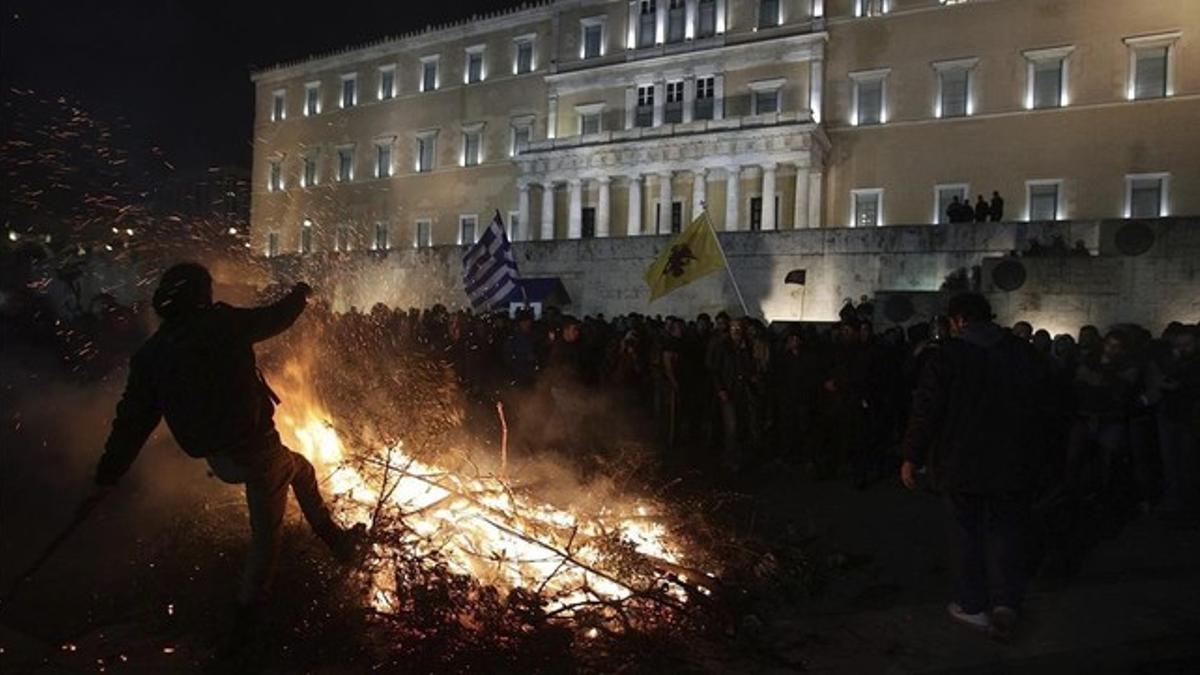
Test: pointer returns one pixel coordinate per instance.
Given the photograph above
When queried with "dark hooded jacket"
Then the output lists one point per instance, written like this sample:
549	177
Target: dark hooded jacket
199	372
978	414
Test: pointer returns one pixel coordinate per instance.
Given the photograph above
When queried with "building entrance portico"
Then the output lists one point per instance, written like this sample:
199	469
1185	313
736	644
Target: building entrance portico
665	178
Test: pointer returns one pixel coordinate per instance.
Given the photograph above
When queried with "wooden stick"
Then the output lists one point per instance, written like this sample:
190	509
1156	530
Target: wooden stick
503	438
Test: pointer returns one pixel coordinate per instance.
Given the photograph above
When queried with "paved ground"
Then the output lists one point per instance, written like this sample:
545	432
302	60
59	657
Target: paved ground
1132	608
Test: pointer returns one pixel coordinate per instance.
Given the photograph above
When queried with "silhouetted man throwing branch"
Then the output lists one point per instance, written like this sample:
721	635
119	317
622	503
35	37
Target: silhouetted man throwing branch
198	371
976	423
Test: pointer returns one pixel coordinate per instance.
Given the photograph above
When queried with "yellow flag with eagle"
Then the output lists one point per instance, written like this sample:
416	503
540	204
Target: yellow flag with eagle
694	253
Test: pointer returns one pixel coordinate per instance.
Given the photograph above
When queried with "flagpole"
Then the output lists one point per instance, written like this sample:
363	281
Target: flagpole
728	269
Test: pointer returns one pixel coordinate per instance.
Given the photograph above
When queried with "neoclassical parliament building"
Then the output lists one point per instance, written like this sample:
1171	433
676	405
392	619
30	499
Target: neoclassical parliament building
619	118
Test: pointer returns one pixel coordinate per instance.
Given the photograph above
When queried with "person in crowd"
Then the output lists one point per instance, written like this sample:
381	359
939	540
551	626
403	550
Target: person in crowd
982	210
996	208
974	426
1177	390
199	373
1023	331
1105	387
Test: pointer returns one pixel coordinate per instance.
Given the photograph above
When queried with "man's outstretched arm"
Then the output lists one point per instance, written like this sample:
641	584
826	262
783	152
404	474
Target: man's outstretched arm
261	323
137	415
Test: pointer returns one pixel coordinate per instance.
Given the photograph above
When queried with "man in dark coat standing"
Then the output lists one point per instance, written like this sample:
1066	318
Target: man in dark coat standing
977	423
996	208
198	372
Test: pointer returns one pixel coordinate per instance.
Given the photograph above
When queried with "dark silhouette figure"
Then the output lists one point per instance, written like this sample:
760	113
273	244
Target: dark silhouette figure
975	423
982	210
954	212
198	371
996	210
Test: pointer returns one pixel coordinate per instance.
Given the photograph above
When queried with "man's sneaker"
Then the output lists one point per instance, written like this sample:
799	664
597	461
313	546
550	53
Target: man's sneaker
351	546
979	620
1004	623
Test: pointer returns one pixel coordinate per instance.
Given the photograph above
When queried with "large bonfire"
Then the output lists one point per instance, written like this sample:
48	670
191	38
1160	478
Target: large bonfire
585	555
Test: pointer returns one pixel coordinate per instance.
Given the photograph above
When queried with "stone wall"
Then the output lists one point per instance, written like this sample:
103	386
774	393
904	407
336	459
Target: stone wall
1146	272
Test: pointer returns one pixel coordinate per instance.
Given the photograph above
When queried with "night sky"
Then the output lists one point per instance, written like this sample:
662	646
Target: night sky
179	71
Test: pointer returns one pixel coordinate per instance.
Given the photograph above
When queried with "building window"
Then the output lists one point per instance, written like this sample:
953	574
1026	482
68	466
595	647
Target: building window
349	91
590	118
647	22
312	99
704	98
766	101
275	179
523	62
426	147
1043	199
466	229
345	164
472	138
309	178
341	238
644	113
676	20
512	229
706	18
429	73
592	37
306	236
382	240
387	83
1046	77
944	197
768	13
1146	195
272	244
868	207
870	91
278	106
954	88
424	234
522	133
383	160
474	70
1150	72
871	7
673	111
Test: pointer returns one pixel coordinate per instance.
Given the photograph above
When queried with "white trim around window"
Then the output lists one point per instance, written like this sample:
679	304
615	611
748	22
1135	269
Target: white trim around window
1036	57
588	22
428	223
526	39
866	192
869	77
585	110
938	212
435	60
1059	207
1143	42
1164	179
966	65
463	219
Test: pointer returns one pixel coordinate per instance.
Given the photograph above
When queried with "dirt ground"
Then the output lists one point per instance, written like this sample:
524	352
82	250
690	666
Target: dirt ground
129	595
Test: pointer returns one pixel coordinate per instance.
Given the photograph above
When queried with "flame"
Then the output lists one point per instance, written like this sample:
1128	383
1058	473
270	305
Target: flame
483	524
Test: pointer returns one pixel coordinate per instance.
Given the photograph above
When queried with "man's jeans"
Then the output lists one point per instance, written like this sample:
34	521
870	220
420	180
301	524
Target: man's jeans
998	520
267	475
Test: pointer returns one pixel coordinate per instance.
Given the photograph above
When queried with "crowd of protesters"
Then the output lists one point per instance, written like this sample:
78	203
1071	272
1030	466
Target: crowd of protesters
722	394
961	211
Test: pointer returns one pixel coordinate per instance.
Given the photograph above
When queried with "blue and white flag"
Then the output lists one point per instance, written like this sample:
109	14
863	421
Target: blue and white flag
489	269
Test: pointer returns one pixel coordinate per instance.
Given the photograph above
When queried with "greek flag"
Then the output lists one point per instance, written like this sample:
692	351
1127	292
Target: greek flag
489	269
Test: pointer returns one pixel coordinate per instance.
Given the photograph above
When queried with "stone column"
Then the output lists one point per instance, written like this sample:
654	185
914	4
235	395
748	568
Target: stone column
800	209
814	198
768	197
733	175
547	211
689	95
523	228
633	225
660	97
664	200
699	191
602	207
575	214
